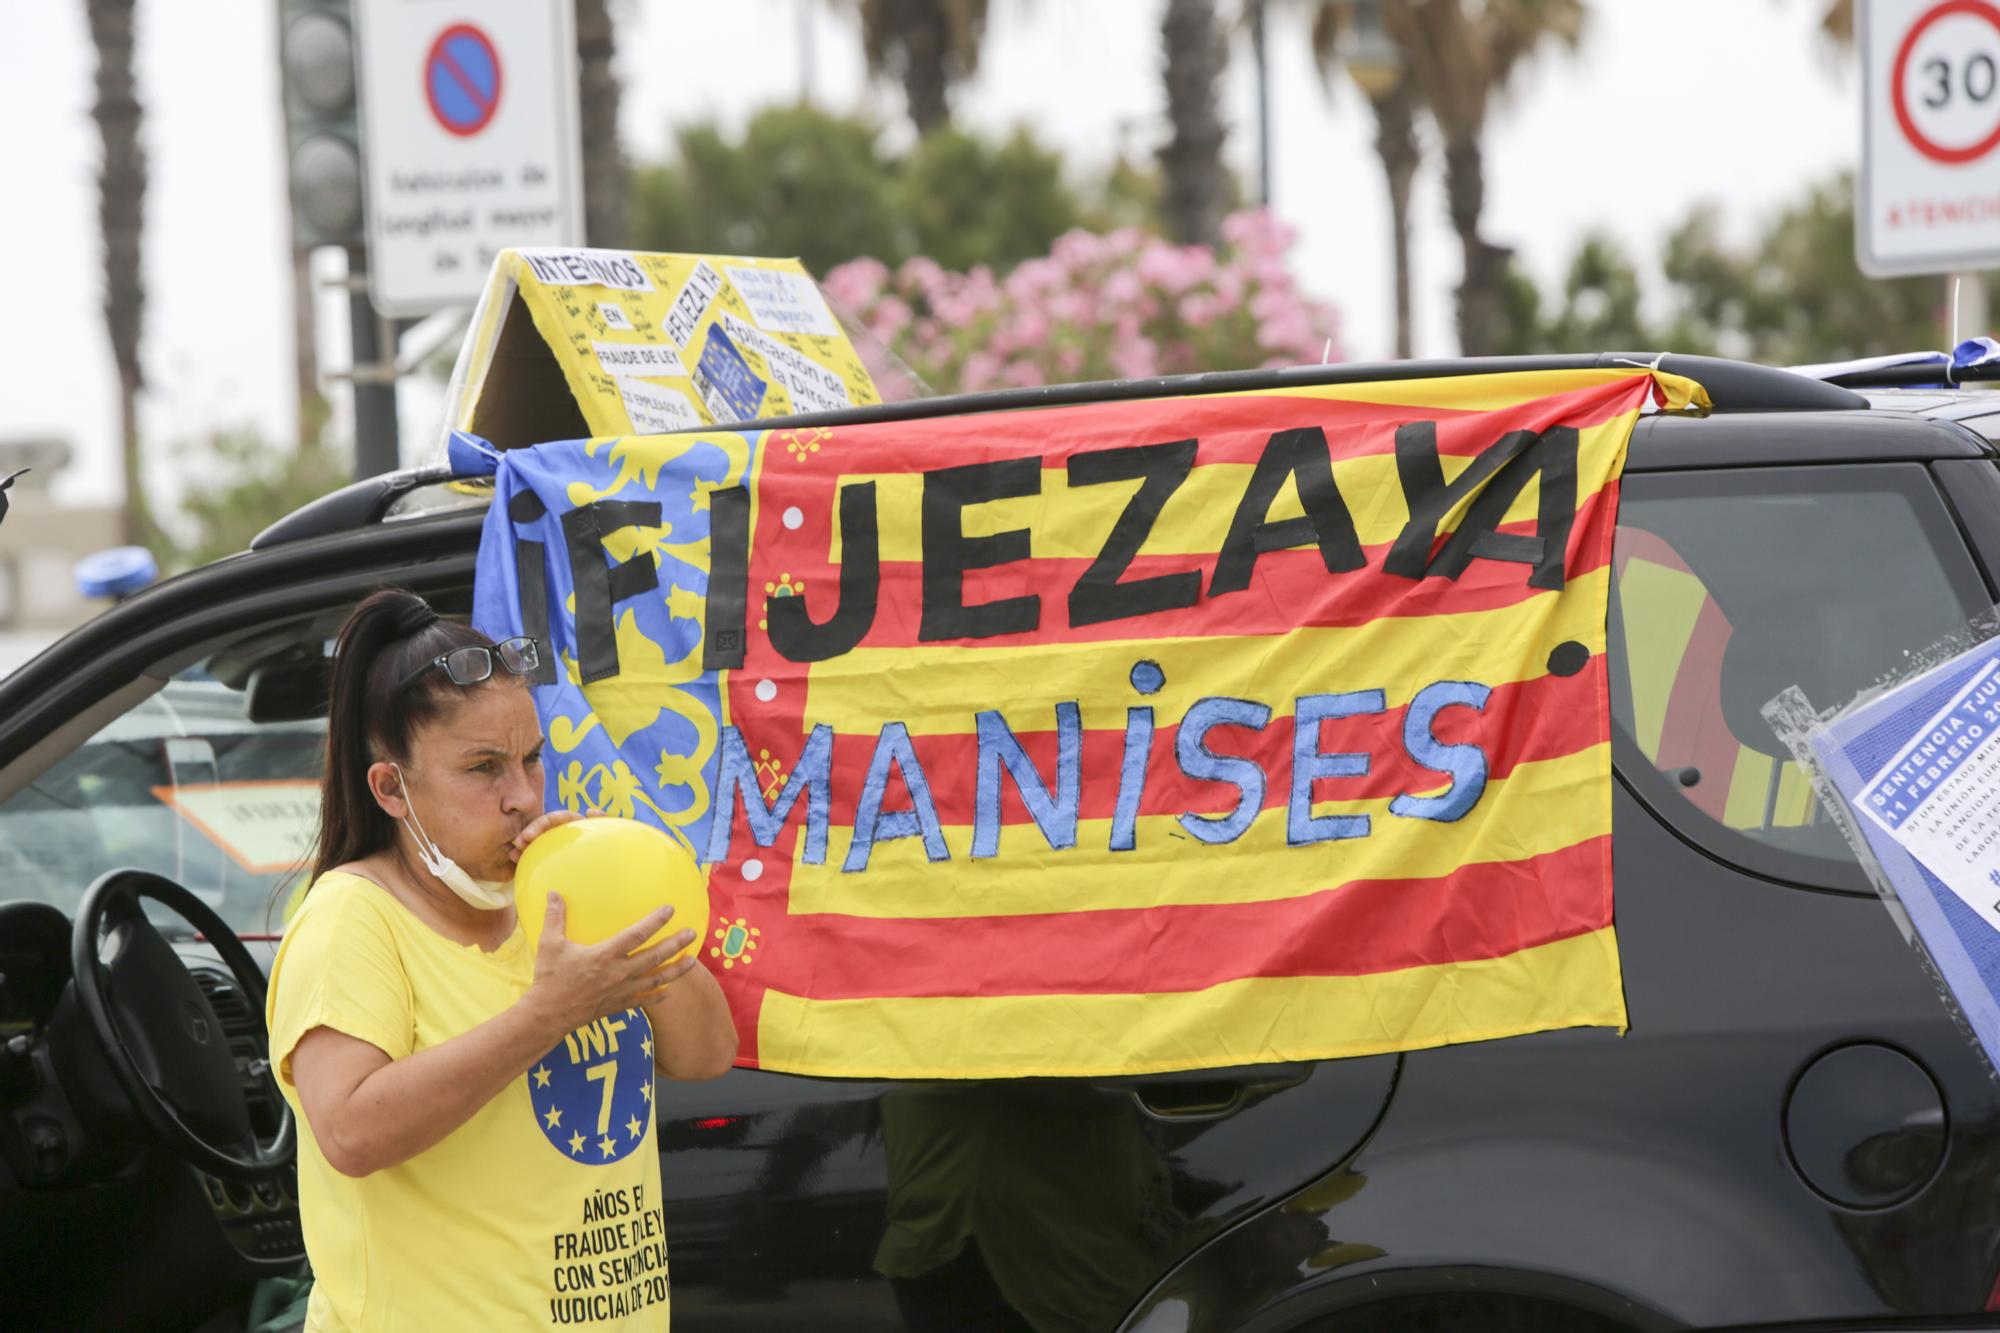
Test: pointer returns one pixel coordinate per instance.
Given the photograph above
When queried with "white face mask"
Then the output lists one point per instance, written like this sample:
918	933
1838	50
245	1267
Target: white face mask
485	894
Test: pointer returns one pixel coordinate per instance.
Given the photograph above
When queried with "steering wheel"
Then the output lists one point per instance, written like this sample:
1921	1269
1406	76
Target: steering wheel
159	1033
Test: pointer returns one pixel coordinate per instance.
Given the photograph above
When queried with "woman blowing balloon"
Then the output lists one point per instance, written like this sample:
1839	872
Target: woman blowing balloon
476	1109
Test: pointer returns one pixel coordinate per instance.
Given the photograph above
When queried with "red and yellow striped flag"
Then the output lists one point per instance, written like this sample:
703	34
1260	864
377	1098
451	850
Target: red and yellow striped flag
1118	738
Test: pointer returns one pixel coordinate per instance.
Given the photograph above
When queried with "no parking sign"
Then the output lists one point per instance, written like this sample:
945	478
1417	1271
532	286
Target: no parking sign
469	130
1928	199
462	79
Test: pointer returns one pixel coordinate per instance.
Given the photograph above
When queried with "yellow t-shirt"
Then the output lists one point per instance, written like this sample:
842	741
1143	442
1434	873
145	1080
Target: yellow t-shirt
543	1209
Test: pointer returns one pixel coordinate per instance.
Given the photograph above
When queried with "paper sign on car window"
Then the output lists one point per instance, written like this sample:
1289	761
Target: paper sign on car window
265	827
1939	797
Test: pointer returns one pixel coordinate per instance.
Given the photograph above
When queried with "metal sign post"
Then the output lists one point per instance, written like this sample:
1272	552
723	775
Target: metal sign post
377	432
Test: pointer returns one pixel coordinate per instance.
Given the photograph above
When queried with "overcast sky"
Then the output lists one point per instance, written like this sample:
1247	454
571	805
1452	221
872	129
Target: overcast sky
1732	100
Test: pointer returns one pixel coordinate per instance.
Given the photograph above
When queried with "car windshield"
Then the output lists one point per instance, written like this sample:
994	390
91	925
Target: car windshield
184	784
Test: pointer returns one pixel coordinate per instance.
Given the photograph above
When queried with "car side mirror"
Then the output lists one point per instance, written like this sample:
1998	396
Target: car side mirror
5	482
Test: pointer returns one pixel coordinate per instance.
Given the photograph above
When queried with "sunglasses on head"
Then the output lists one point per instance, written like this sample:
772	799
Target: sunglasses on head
470	666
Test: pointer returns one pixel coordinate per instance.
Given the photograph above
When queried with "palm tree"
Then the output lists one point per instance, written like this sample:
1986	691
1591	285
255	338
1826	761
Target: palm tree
604	167
1347	34
928	45
1197	184
121	197
1461	56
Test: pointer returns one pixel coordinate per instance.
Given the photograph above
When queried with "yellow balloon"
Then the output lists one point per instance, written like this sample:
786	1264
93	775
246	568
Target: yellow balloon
611	872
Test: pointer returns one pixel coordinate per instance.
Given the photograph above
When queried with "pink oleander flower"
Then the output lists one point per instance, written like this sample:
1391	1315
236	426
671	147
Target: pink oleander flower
888	318
1126	303
1135	358
1071	307
1024	374
1036	277
981	370
1126	241
1291	331
1268	305
856	283
1028	327
1228	290
1078	248
1125	288
1258	232
922	274
1199	309
1174	269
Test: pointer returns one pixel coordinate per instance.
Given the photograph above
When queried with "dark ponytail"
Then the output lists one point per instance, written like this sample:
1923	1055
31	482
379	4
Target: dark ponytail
390	635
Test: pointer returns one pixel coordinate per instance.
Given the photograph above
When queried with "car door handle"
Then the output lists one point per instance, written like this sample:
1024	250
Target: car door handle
1205	1094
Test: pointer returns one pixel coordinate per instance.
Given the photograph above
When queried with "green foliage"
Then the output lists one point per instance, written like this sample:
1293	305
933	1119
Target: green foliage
1131	194
1598	309
1793	296
1797	296
800	181
968	201
239	483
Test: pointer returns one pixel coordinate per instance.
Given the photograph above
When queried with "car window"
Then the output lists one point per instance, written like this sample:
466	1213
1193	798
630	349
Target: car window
1729	586
183	784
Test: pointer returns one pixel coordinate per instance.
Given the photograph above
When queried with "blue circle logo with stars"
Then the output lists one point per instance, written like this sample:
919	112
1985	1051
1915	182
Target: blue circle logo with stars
593	1093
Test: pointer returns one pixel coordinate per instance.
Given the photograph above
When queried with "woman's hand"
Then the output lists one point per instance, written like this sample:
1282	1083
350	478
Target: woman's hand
578	983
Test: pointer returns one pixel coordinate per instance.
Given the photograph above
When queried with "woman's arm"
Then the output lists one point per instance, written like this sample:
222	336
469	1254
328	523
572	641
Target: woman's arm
368	1112
693	1035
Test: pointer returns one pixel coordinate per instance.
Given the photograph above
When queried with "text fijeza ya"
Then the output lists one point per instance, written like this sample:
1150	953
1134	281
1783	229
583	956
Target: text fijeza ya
1494	479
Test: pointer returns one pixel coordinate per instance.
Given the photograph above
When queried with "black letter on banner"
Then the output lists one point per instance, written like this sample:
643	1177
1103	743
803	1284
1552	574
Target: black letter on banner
948	553
1498	473
1302	453
534	598
1098	596
724	610
599	587
793	632
531	585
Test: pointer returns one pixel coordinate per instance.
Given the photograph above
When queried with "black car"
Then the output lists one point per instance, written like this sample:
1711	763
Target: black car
1793	1132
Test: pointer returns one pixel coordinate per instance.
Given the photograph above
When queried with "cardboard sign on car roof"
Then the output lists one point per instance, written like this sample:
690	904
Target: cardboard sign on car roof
573	343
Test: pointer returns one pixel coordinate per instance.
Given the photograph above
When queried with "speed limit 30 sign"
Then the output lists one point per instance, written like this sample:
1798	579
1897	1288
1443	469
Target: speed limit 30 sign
1928	198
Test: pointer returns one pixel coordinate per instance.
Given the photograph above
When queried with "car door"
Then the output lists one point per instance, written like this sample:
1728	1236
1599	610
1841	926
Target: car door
791	1202
1054	1204
1793	1127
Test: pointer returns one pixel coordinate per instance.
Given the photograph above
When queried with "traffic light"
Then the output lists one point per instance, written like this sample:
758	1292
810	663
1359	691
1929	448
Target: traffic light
322	133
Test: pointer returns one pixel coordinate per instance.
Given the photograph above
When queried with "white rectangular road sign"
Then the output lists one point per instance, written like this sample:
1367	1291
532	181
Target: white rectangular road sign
1928	197
469	132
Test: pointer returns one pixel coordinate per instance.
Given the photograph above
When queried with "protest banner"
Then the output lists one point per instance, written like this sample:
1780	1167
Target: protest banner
1105	739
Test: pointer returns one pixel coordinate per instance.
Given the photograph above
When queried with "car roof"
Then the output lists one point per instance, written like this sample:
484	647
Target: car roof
1762	416
1732	386
1886	432
1978	409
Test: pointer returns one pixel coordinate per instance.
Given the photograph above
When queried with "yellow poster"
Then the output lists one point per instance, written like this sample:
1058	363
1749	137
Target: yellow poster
648	344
